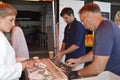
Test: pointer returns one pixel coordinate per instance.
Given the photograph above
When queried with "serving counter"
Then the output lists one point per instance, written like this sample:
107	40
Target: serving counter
46	70
52	70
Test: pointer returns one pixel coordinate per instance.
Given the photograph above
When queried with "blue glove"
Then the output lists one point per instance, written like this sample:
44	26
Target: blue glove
73	75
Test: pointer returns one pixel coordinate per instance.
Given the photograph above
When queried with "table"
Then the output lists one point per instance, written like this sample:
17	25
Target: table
54	71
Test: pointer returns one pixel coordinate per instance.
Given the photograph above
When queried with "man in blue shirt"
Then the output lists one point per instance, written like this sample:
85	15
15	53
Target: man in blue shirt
73	45
106	50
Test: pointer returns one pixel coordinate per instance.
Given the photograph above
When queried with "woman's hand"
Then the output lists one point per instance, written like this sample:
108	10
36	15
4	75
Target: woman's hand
28	63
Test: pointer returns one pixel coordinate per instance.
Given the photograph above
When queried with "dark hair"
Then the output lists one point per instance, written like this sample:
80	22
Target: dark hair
67	11
90	7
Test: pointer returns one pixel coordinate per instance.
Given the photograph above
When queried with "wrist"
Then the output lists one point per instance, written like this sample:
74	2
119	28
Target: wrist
64	52
76	73
79	74
73	75
80	60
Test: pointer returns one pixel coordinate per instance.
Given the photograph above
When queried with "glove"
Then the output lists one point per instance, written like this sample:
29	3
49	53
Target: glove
73	75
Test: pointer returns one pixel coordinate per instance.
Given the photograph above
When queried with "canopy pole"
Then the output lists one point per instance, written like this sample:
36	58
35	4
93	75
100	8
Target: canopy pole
53	12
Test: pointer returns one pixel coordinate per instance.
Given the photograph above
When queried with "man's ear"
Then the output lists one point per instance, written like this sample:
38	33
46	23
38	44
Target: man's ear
71	14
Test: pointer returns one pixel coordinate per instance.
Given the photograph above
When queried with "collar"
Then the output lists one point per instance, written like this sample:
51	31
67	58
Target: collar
72	21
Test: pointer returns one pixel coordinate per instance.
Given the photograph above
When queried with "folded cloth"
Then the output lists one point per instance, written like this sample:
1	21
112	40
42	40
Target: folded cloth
73	75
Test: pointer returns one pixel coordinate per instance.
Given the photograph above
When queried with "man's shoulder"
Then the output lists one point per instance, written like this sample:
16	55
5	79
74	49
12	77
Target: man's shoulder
77	21
109	25
107	22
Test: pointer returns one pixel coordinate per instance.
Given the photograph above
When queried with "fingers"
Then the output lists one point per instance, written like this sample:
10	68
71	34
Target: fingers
71	62
55	56
30	63
59	56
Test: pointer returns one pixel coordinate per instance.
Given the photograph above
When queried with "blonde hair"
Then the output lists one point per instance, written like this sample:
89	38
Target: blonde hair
117	18
7	9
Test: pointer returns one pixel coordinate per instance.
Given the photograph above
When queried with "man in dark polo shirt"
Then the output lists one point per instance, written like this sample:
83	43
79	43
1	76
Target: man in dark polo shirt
73	45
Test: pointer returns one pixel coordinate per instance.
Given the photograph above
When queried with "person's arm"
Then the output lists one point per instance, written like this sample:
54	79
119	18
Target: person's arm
60	54
97	66
86	58
70	49
76	61
62	47
8	71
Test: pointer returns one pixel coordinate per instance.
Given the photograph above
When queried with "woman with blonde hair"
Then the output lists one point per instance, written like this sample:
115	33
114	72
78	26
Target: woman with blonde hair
9	68
117	18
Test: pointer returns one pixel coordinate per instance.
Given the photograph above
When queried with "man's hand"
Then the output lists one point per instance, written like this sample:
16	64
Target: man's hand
59	55
73	62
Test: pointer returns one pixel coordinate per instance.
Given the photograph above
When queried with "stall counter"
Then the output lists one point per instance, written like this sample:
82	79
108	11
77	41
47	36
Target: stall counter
46	70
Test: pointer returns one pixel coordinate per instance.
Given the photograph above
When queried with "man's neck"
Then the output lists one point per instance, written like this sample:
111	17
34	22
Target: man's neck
98	21
72	19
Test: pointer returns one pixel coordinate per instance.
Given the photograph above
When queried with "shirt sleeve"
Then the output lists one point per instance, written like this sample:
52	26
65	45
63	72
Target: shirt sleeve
19	43
8	71
79	35
104	39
